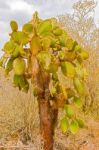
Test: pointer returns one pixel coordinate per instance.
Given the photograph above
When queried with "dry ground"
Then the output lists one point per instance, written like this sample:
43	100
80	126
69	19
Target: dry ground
86	139
19	124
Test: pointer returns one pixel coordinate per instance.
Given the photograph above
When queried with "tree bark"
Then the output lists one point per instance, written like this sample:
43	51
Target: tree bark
48	118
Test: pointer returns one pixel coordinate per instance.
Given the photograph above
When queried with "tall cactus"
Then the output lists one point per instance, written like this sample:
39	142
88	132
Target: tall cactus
54	63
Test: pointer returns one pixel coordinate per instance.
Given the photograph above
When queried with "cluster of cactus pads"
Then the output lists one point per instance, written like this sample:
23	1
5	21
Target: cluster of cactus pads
42	45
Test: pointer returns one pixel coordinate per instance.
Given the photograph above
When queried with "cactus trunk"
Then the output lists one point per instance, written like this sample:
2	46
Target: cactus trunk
48	119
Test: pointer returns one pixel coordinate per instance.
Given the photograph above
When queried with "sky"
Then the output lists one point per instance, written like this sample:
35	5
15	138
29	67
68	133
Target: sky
22	10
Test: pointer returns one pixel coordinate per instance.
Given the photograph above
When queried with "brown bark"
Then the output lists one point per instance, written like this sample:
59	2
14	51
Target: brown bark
48	117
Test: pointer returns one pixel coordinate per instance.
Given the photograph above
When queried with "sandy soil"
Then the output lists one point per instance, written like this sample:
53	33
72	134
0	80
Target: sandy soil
86	139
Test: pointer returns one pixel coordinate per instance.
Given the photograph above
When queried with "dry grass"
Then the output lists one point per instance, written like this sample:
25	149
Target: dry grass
18	111
19	123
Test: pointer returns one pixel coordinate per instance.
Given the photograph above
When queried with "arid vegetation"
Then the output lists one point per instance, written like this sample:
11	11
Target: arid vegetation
81	26
19	118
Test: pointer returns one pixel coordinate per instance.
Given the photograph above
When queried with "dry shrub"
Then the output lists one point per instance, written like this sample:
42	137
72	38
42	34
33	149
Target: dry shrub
18	111
92	99
89	40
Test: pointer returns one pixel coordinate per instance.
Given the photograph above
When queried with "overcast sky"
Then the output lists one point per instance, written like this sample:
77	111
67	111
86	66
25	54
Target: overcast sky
22	10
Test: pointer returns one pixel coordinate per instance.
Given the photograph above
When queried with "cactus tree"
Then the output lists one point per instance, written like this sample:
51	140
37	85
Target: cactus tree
43	53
